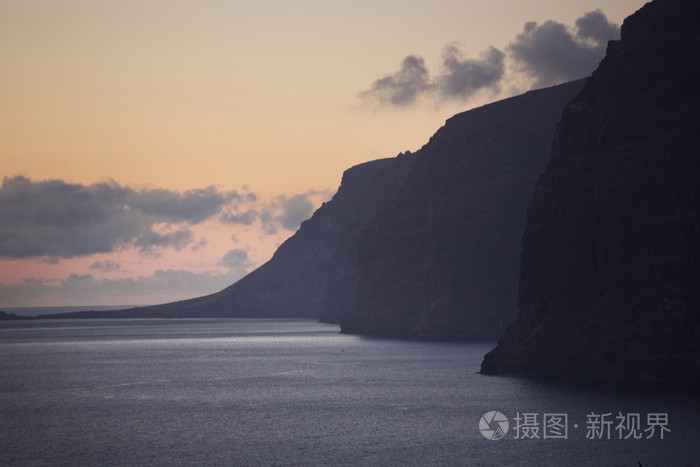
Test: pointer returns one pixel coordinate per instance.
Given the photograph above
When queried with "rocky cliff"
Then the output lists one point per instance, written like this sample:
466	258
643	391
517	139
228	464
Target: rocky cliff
313	273
441	258
610	268
448	233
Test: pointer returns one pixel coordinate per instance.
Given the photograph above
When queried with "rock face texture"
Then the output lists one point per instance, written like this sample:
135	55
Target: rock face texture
313	273
440	259
610	268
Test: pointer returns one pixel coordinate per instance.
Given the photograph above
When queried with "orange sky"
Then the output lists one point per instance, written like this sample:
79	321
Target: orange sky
182	95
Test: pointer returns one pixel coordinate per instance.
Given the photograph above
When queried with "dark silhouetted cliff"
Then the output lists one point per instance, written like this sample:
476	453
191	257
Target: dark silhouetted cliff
313	273
441	254
440	235
610	269
441	258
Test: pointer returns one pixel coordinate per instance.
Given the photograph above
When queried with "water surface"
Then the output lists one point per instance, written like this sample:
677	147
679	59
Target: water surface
296	392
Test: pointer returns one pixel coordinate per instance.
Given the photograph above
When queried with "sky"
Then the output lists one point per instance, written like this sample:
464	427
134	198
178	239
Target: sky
153	151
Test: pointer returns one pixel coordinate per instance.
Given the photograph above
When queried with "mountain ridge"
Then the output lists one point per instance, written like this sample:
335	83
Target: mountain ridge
314	273
440	259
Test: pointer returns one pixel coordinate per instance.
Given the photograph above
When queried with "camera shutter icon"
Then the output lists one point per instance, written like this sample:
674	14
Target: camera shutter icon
493	425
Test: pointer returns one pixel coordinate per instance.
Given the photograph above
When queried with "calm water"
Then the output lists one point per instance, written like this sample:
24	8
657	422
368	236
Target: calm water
267	392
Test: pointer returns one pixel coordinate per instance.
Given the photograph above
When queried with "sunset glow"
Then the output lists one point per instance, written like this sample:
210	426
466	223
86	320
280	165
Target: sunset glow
155	151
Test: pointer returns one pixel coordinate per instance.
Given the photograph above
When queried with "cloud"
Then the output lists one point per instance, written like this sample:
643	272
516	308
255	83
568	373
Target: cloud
552	53
295	210
244	218
288	212
52	220
105	266
404	86
283	211
236	258
460	78
51	260
63	220
192	206
150	242
200	244
463	77
595	26
545	54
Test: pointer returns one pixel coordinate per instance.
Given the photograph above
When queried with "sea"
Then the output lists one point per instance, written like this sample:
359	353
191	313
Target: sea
297	392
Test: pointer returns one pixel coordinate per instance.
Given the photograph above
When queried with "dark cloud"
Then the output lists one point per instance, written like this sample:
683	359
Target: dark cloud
404	86
546	54
595	26
295	210
463	77
236	258
55	218
287	212
460	78
150	242
105	266
284	211
552	53
52	219
48	260
244	218
63	220
269	223
192	206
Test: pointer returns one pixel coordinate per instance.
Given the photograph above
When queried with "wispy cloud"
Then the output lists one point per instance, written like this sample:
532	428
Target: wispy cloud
235	259
543	55
283	211
105	266
402	87
293	210
151	242
235	216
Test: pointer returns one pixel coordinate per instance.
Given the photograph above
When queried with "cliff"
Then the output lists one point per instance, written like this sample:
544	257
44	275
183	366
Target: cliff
441	258
312	274
610	268
445	232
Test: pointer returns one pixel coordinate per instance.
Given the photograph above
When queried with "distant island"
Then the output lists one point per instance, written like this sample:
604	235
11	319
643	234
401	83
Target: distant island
5	316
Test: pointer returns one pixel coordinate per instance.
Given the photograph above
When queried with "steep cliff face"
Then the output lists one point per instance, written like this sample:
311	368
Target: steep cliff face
313	273
610	269
341	271
441	258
